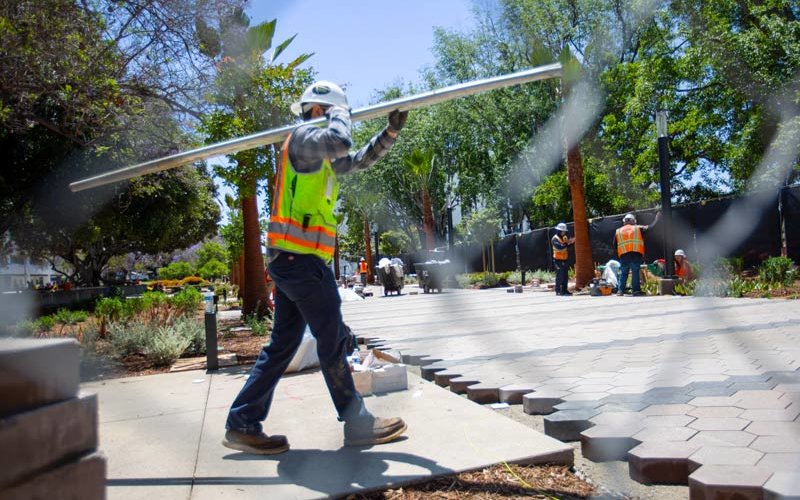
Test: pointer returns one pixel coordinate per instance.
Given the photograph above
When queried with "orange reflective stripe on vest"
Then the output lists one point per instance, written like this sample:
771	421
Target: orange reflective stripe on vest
362	267
629	239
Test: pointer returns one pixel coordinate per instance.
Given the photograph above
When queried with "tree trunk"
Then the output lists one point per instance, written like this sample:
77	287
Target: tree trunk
256	300
584	265
368	250
427	220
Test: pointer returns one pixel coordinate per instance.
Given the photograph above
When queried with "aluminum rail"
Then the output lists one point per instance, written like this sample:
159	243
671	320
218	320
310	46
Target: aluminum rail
276	135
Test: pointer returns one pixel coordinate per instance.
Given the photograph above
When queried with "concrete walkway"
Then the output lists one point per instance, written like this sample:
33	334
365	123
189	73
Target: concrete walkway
697	391
162	437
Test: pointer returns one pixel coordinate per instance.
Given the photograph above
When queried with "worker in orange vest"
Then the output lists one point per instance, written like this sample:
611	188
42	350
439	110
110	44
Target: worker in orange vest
362	271
629	240
560	242
683	270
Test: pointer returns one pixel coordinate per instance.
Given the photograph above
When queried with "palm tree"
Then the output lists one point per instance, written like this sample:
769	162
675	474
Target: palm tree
253	98
421	165
584	265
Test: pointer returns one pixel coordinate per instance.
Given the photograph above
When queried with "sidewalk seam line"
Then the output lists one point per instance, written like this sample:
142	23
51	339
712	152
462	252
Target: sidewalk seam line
200	437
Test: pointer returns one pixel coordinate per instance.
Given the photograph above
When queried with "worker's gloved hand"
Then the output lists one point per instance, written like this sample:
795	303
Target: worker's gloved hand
397	119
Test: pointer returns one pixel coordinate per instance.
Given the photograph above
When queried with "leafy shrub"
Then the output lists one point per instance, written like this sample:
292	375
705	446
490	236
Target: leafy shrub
213	269
463	280
740	287
187	301
543	276
45	323
166	345
685	288
650	287
127	339
67	317
195	332
109	309
777	271
259	327
175	271
512	277
25	328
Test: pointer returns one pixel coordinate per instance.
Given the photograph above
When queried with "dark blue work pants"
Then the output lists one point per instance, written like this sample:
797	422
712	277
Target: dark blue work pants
305	293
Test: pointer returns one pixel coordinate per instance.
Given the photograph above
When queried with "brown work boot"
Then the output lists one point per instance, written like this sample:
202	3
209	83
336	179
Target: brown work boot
257	444
377	431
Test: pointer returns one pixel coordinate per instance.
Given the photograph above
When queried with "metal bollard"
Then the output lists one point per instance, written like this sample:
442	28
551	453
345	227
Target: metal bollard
212	354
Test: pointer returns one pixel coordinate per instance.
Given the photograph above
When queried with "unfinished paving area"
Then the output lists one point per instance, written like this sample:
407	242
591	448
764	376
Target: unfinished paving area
697	391
162	435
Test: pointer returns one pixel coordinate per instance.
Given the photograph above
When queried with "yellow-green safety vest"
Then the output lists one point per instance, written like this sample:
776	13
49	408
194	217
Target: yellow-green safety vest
302	219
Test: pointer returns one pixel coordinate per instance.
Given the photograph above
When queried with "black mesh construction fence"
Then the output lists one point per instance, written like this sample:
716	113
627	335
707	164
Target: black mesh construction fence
505	254
790	209
534	250
691	223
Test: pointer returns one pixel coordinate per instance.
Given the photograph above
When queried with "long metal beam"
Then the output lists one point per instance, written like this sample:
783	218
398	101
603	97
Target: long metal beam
276	135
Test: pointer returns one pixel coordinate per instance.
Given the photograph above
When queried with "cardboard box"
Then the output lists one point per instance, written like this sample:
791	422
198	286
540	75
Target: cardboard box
389	378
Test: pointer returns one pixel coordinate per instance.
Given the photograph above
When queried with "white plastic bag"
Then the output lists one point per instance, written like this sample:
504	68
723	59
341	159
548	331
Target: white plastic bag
306	356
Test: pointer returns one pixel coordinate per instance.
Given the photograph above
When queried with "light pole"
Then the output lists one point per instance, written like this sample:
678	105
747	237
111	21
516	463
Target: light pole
666	195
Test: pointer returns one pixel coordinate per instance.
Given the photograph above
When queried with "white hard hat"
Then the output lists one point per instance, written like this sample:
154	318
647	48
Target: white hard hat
629	218
321	92
561	227
680	252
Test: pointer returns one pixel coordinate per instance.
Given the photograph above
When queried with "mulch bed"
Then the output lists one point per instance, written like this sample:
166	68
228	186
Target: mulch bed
496	482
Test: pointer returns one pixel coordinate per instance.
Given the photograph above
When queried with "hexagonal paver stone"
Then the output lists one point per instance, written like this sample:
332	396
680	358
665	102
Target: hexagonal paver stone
512	394
603	443
665	434
614	407
713	401
723	438
459	384
661	462
567	425
728	481
657	410
781	462
786	415
783	486
429	371
483	393
724	455
777	444
667	421
578	405
774	428
788	388
716	412
719	424
442	379
541	403
765	400
618	418
426	360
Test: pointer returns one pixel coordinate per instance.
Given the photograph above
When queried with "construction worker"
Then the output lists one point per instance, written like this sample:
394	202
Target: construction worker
683	270
629	240
362	271
301	240
560	243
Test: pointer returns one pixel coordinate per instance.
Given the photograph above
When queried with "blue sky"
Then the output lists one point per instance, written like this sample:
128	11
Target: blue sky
366	45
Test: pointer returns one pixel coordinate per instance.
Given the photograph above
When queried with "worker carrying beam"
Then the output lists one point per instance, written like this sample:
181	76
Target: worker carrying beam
301	240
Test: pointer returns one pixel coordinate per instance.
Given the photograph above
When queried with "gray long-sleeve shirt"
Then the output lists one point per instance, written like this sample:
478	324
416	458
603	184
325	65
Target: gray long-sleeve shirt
310	145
